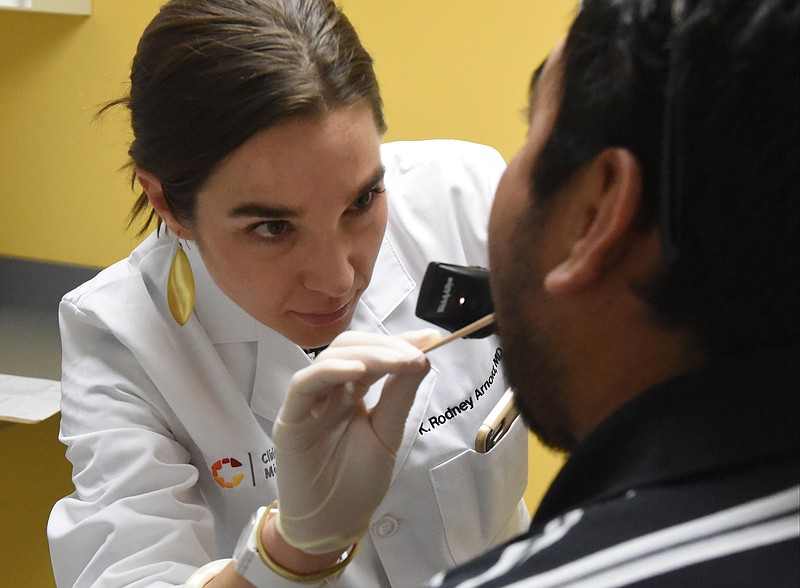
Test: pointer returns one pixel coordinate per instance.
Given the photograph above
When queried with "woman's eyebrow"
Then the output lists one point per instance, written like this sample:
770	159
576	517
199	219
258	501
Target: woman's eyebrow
257	209
260	210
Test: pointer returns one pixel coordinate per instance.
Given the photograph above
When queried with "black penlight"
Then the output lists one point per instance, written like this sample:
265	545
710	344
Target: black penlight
453	296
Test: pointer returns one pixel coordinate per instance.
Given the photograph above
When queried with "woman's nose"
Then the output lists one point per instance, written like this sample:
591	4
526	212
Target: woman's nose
329	269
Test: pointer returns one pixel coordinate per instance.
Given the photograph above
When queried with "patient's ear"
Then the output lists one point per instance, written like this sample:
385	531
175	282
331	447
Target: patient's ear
151	186
608	195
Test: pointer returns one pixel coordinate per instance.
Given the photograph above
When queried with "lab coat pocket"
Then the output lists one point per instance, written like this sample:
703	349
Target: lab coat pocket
479	495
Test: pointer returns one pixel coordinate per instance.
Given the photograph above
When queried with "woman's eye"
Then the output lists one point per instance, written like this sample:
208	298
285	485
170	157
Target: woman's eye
270	229
365	201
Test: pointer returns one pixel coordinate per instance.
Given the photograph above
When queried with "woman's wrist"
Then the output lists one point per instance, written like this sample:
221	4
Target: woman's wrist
291	558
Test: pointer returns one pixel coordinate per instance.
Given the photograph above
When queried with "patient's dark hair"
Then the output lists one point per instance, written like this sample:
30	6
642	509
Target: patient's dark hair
731	69
209	74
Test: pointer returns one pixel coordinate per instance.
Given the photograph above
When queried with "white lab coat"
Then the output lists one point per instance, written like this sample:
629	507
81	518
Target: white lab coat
168	427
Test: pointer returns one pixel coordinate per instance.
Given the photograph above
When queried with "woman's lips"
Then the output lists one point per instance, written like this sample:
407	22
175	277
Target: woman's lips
326	318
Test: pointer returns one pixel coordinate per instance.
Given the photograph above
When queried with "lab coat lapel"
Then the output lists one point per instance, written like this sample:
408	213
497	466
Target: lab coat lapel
390	287
222	319
278	360
225	322
171	359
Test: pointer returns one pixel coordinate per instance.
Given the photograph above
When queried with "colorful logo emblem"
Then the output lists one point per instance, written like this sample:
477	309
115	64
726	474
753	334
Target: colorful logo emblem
233	464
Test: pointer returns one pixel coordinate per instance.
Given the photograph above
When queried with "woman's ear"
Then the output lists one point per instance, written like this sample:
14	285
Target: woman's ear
609	191
151	186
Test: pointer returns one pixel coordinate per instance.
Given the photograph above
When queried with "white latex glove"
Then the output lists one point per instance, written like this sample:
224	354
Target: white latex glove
335	458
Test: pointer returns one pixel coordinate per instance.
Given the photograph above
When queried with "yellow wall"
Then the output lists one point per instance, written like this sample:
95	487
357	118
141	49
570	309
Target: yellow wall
61	196
448	68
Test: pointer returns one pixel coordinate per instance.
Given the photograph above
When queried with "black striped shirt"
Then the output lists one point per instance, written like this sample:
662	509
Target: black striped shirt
694	483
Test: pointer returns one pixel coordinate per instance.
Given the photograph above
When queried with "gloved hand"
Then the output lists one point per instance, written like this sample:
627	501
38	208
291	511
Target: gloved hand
335	458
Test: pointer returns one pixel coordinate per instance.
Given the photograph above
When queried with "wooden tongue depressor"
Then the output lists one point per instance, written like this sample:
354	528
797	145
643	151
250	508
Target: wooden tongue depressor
462	332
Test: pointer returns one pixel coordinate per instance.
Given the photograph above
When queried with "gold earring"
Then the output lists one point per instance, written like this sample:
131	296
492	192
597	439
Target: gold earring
180	287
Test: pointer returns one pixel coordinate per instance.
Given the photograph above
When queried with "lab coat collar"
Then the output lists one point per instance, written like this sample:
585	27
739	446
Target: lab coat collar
223	320
279	359
390	285
169	353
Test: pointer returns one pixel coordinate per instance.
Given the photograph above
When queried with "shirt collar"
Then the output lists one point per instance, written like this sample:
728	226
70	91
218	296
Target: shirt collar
738	409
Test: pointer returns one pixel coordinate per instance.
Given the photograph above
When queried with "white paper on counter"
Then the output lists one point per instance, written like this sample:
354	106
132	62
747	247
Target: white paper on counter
28	400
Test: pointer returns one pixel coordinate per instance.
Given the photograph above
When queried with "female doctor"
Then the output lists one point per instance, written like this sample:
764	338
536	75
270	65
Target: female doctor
282	222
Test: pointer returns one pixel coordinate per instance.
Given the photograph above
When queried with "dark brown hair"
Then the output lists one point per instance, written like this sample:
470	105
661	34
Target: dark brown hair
209	74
